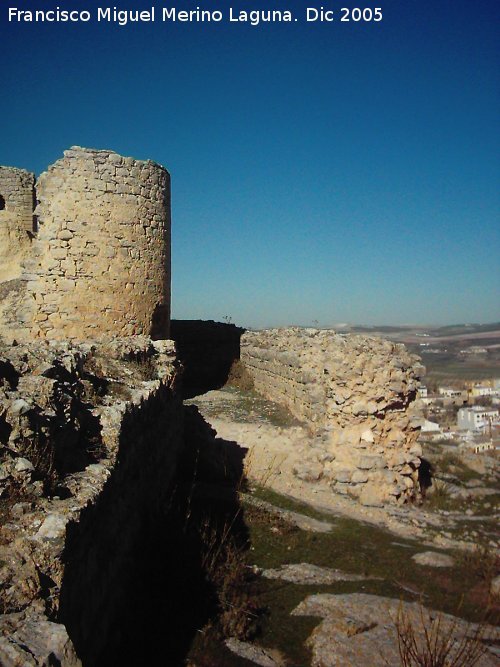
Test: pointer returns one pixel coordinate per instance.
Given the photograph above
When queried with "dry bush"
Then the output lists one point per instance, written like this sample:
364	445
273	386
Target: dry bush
40	451
239	377
483	561
426	641
264	476
440	496
225	567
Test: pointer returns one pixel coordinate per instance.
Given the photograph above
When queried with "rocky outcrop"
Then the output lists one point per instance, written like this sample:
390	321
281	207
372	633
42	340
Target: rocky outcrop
360	629
90	435
357	395
306	574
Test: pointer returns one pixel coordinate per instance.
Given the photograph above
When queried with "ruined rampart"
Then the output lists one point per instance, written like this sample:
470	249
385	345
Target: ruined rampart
357	394
91	417
91	436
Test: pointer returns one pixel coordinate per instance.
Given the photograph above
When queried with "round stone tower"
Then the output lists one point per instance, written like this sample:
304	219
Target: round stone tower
17	195
100	263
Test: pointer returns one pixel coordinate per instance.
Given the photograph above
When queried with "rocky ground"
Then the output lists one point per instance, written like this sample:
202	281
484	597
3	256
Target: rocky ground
372	574
461	506
76	423
285	570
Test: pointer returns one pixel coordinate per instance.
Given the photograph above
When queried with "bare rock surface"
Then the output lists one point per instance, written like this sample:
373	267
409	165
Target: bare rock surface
307	573
37	641
433	559
360	629
279	447
275	448
256	654
68	411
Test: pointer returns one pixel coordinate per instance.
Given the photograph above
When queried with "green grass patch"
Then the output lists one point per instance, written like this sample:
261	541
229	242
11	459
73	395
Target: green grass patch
361	548
246	406
351	546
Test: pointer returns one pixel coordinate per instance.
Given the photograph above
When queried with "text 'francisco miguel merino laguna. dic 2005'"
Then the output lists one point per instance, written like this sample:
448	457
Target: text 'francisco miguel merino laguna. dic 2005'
253	17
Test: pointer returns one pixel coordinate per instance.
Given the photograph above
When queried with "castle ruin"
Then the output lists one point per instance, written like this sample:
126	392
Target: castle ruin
85	250
93	432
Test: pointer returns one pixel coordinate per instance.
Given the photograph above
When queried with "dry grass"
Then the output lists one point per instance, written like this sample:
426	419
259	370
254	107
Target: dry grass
426	641
483	561
440	496
262	477
225	565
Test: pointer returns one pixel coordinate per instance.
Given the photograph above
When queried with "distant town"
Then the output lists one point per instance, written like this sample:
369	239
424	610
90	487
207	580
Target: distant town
461	388
467	415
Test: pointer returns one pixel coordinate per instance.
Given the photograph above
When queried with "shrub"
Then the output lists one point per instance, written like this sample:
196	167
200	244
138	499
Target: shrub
440	496
426	641
226	570
482	561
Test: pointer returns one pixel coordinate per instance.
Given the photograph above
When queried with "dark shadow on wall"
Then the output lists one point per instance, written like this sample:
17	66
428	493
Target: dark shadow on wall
207	350
159	322
424	476
136	590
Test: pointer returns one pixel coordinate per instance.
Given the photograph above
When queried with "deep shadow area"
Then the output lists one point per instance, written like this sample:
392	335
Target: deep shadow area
5	430
424	476
159	321
68	443
207	350
8	374
143	564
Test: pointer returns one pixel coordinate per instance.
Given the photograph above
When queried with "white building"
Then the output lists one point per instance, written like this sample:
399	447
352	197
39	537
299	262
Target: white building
478	447
430	427
483	390
477	418
422	391
450	392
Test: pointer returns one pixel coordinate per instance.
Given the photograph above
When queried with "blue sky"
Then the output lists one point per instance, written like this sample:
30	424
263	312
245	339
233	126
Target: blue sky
320	172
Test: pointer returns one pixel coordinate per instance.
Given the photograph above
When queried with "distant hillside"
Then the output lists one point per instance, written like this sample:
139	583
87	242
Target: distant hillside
458	329
448	330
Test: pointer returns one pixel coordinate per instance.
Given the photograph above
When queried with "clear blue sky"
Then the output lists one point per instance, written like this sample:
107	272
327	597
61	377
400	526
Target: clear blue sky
331	172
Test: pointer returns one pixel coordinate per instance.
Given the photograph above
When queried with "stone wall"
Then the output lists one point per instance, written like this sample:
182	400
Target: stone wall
17	197
77	510
100	261
357	394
